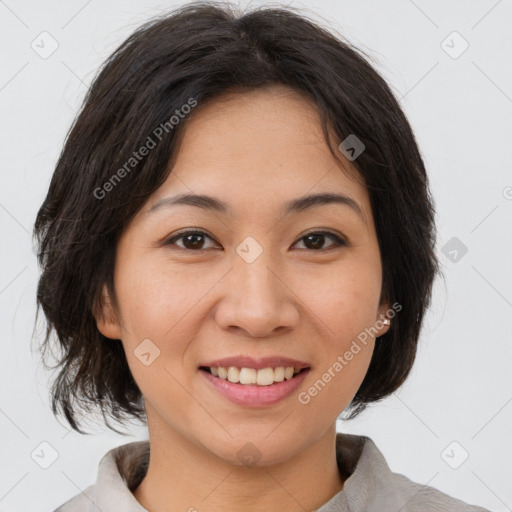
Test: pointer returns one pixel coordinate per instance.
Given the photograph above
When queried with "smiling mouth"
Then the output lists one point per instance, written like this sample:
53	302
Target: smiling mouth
254	377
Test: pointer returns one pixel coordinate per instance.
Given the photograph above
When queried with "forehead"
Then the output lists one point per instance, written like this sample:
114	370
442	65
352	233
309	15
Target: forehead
250	147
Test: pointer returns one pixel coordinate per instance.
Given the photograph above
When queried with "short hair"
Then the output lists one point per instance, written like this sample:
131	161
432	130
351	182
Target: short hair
203	50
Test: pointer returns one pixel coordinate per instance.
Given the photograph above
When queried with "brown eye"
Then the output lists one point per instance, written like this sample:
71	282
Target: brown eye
192	240
315	240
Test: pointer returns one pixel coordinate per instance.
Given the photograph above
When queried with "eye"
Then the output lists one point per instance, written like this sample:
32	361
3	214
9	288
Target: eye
315	239
193	240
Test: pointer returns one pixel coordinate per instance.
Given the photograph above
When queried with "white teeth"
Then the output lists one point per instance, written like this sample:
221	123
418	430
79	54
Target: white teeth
279	374
288	372
233	374
261	377
265	377
248	376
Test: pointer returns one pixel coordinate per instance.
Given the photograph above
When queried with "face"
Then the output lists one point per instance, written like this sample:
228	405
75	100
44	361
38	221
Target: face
255	280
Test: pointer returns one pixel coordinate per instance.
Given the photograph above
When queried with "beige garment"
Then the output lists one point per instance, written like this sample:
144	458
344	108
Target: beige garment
370	485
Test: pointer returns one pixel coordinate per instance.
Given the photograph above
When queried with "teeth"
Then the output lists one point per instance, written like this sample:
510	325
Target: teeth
265	377
261	377
279	374
233	374
248	376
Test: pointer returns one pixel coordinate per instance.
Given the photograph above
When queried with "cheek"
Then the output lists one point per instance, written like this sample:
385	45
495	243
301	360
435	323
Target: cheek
344	353
346	302
346	307
162	309
156	305
156	299
335	385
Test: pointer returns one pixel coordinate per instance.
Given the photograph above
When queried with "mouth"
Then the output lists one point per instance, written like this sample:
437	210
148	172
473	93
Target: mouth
248	376
254	387
251	382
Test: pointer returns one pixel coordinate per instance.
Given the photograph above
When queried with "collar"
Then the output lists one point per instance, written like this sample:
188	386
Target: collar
369	484
123	468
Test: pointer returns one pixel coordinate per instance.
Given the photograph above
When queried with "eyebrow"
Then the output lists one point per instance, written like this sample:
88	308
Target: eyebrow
293	206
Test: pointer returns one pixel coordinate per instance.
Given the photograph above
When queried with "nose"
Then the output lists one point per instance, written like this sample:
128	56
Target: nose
256	299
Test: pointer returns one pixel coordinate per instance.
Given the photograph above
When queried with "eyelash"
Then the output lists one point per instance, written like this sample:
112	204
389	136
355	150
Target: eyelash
339	241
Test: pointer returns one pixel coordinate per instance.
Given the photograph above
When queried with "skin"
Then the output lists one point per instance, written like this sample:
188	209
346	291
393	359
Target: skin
255	151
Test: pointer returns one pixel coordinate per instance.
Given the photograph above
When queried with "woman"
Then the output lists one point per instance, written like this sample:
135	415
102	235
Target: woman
238	245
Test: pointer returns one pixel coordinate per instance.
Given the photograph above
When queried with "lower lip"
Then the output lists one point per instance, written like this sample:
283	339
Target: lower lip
254	395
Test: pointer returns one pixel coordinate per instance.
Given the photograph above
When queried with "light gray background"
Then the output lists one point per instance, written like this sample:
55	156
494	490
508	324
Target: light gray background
460	108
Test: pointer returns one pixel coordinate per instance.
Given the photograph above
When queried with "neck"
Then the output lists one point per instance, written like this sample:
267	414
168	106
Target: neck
184	477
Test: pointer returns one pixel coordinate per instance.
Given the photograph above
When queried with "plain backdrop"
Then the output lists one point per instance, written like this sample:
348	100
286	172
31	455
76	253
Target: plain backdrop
450	64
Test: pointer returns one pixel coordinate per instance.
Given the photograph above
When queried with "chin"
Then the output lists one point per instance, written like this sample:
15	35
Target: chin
252	451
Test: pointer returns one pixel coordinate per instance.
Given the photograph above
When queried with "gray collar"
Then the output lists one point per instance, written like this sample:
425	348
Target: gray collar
369	484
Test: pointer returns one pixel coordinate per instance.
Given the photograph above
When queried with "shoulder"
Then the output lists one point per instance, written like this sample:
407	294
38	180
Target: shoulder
418	497
374	487
78	503
119	471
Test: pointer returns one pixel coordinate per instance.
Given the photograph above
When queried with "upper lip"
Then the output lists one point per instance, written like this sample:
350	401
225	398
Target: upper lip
250	362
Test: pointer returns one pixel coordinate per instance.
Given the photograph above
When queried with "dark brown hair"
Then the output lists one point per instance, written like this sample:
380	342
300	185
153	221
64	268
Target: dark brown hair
200	51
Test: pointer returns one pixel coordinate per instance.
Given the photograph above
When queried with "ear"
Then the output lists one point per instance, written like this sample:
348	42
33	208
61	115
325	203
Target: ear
382	316
107	321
